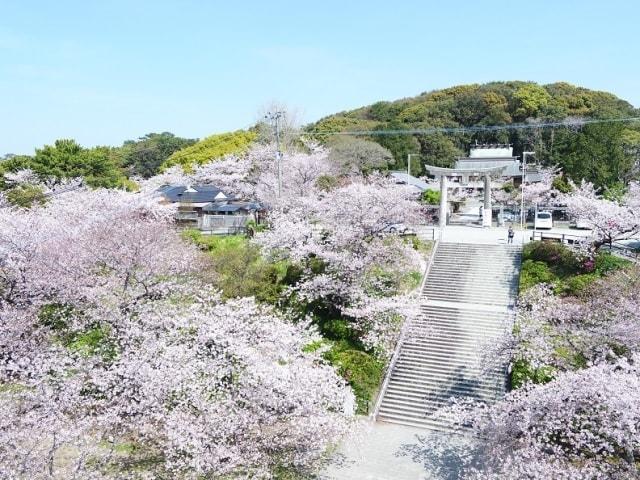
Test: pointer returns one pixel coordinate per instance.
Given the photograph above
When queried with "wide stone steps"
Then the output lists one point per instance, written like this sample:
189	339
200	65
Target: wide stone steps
466	308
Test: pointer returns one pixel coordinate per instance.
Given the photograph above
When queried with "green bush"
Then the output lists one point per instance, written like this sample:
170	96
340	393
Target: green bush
336	329
238	268
361	370
26	196
55	315
607	262
431	197
578	283
535	272
94	341
522	373
326	183
559	258
570	356
561	184
508	187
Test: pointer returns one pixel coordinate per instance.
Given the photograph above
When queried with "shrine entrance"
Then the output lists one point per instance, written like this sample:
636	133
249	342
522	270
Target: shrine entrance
465	178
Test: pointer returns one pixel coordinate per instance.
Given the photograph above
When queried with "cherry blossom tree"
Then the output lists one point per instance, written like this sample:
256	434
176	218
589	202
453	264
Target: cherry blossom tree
108	338
254	175
360	265
581	425
611	220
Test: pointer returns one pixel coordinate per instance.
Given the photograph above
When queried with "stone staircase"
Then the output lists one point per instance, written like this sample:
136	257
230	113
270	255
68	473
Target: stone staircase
466	305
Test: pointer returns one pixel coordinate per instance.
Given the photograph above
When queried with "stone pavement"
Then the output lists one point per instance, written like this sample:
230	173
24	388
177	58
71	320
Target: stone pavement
383	451
494	235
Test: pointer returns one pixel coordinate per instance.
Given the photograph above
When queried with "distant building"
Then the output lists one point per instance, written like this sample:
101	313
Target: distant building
416	184
208	208
483	156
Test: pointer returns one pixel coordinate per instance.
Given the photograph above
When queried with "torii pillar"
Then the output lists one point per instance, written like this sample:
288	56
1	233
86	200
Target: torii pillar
444	206
487	211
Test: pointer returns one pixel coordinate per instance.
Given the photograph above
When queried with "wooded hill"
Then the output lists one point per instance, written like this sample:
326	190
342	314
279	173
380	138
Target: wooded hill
603	153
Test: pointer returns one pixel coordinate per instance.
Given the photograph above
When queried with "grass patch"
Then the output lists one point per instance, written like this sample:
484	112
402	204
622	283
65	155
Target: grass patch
362	370
239	270
94	341
523	372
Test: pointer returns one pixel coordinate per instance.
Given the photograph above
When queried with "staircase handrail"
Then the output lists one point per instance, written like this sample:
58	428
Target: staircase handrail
403	333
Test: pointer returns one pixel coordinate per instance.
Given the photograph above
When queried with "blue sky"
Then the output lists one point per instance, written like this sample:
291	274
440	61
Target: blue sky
105	71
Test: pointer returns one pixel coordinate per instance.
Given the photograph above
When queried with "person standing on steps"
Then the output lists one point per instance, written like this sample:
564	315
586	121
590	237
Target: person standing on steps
510	234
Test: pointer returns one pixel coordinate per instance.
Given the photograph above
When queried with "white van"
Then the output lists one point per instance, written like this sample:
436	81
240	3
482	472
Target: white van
543	220
583	224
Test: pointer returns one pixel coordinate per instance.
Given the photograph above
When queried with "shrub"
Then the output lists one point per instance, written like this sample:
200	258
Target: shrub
55	315
558	257
607	262
26	196
578	283
336	329
327	183
522	373
361	370
239	270
431	197
94	341
535	272
570	356
508	187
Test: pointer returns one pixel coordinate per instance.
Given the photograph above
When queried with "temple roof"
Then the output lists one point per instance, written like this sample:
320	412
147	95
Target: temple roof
457	172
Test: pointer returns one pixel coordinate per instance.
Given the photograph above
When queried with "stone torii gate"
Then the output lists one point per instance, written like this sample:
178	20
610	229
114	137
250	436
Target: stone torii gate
446	174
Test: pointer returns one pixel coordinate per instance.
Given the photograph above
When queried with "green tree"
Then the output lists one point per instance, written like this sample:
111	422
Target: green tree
210	148
438	149
144	156
594	153
399	145
67	159
357	155
530	99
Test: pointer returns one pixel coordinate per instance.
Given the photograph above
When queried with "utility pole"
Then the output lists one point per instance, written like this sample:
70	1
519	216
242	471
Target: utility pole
275	118
409	155
524	178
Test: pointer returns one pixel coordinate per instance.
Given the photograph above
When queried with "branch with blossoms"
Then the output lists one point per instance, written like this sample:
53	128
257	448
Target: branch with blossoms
344	234
610	220
580	425
108	338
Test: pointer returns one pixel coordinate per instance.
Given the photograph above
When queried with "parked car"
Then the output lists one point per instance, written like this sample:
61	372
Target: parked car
583	224
543	220
398	228
508	216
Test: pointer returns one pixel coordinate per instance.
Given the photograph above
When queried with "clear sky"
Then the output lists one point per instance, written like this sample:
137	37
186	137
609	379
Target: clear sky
105	71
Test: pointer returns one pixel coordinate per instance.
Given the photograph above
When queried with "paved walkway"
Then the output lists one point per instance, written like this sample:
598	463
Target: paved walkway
383	451
491	235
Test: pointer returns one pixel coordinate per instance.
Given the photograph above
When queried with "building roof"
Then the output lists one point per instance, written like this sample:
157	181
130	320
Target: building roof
491	150
473	170
230	206
404	177
192	194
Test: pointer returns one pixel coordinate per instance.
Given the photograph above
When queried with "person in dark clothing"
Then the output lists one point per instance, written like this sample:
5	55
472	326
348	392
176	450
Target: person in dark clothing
510	234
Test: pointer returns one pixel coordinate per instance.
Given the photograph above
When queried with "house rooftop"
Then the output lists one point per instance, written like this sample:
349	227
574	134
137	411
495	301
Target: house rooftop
230	206
192	193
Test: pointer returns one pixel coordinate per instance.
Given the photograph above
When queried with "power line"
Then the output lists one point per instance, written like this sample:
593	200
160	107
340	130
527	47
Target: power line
481	128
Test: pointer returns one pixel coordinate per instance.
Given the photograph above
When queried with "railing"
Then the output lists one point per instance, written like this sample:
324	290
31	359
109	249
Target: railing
565	238
403	332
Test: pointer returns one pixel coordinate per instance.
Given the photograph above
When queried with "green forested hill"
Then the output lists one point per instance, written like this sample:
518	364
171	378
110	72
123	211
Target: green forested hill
211	148
609	150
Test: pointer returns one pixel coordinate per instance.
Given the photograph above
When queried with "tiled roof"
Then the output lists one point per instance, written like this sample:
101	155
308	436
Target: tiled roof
192	194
